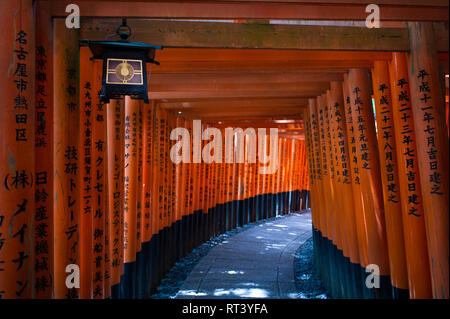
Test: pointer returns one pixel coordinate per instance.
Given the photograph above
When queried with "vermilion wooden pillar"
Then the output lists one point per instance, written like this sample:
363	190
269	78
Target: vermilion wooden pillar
324	169
43	276
344	187
99	198
413	219
336	204
369	172
389	177
115	129
66	153
315	168
17	145
432	145
130	196
355	177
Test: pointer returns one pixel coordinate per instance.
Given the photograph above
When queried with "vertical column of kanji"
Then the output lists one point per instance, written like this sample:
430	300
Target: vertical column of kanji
330	242
192	184
156	201
356	183
17	152
340	221
115	146
312	141
413	219
66	142
147	119
324	168
128	289
187	197
337	221
139	252
85	164
390	178
98	184
167	193
369	172
344	185
334	205
432	145
164	182
174	195
180	183
43	245
310	137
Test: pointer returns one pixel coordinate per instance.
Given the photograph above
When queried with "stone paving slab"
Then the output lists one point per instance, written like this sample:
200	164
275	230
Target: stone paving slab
256	263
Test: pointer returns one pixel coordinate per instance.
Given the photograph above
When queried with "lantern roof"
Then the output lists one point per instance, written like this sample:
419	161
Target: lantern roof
98	47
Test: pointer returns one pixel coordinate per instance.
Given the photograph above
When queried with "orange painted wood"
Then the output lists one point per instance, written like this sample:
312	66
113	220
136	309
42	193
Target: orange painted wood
428	109
131	178
355	177
413	219
99	198
325	170
316	157
147	152
66	143
140	182
343	171
335	205
17	151
43	252
389	174
369	168
116	150
87	107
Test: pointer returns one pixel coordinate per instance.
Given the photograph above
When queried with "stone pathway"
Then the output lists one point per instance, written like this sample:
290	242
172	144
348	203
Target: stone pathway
256	263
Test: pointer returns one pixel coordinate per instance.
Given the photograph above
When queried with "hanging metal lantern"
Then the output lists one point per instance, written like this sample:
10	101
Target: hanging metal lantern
124	65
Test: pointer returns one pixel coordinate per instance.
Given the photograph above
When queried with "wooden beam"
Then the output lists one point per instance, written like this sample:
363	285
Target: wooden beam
439	3
185	95
240	103
247	10
240	87
245	78
189	34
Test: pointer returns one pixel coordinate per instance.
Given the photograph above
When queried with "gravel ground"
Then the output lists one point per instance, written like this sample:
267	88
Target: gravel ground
306	279
309	285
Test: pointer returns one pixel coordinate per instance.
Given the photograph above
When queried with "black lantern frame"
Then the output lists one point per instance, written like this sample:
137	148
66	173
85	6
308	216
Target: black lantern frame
124	69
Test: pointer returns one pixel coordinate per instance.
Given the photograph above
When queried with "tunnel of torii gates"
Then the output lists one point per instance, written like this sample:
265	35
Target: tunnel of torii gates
362	119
